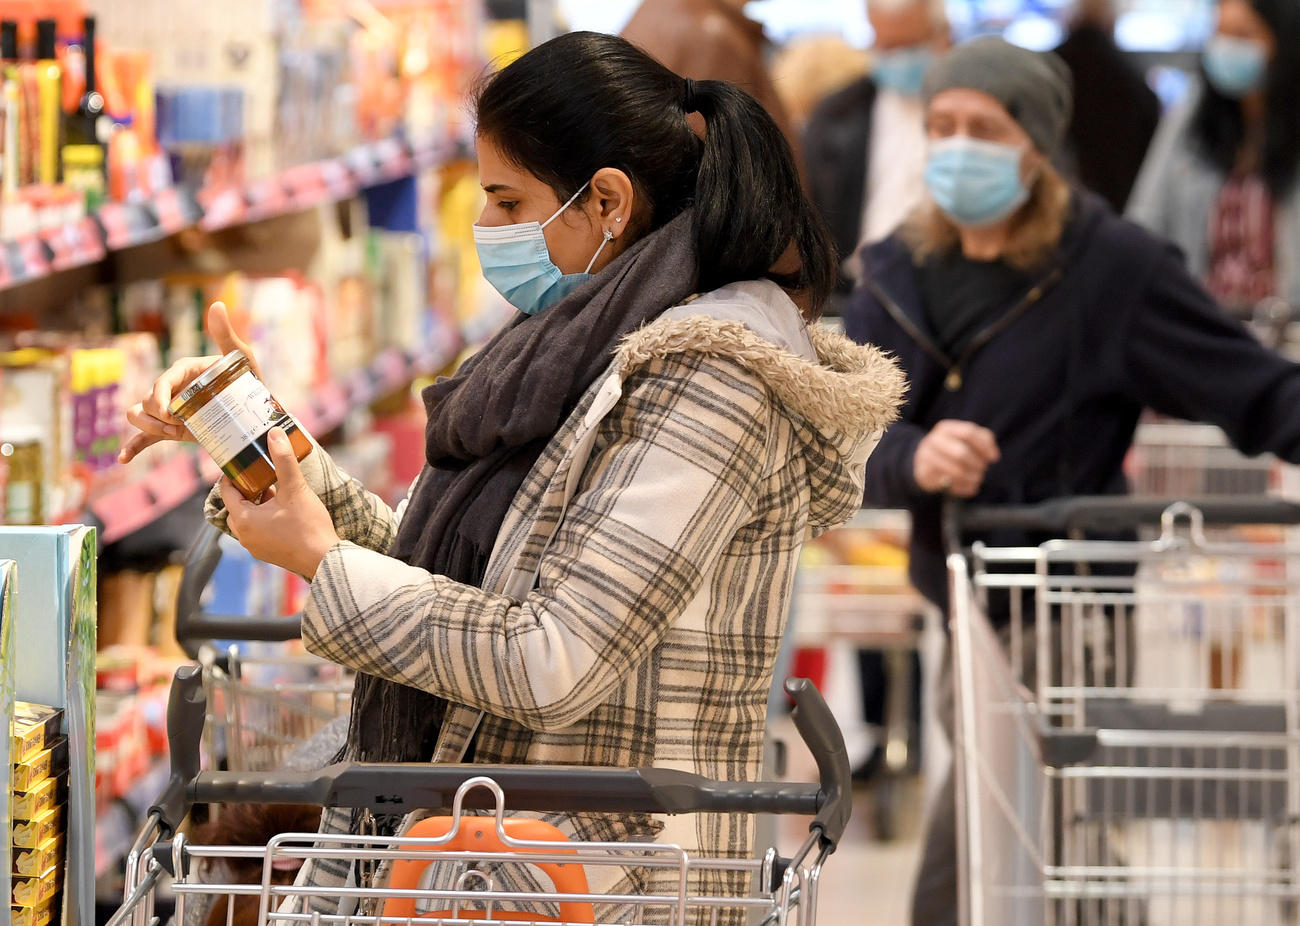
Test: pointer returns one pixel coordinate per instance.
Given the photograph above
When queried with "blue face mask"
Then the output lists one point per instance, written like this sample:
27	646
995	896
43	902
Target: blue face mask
902	69
974	182
1235	67
517	263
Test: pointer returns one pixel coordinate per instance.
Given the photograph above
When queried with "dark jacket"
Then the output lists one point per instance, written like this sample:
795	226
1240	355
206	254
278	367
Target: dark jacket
837	143
1115	113
1060	381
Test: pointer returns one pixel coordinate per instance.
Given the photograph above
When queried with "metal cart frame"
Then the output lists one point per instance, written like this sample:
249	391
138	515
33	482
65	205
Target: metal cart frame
785	890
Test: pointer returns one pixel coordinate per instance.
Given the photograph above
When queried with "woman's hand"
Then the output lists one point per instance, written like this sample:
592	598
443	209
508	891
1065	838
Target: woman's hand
291	527
151	417
954	457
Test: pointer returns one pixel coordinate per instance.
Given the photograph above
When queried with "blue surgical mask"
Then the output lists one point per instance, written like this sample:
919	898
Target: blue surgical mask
517	263
1235	67
975	182
902	69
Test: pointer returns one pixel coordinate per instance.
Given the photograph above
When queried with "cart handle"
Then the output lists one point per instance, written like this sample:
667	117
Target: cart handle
403	787
1113	513
194	626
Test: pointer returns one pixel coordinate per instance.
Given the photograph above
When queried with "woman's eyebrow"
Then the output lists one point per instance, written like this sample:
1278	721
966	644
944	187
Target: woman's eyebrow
499	188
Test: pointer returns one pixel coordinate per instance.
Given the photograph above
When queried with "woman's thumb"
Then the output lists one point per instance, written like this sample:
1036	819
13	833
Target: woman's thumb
222	333
287	471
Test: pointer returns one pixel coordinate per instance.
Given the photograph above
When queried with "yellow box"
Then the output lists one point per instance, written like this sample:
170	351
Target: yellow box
40	915
28	805
48	764
37	832
32	892
31	862
35	727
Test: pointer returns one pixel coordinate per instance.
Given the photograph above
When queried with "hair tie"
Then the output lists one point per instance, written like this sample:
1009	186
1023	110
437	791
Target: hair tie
690	102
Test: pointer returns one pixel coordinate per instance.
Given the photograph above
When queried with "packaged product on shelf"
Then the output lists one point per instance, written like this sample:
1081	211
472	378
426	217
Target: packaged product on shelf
29	892
42	796
35	728
48	763
29	834
35	428
31	862
40	915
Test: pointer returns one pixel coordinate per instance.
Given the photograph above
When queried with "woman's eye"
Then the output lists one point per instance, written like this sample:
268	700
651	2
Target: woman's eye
508	206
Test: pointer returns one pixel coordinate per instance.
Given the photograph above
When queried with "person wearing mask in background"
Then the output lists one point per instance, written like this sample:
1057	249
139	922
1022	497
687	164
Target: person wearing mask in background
865	146
1115	112
595	564
1222	179
711	40
1034	325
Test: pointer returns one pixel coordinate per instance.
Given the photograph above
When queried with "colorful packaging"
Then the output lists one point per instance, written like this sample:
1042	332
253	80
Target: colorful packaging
31	892
31	862
34	833
47	794
35	769
40	915
35	728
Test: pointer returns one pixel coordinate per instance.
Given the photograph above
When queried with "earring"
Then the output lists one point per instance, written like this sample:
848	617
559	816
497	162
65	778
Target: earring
618	218
609	235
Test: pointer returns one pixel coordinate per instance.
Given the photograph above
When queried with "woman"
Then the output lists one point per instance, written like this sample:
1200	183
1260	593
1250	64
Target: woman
594	566
1221	180
1034	326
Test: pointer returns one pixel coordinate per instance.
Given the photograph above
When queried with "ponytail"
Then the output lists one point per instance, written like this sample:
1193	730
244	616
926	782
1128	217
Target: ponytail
749	204
585	100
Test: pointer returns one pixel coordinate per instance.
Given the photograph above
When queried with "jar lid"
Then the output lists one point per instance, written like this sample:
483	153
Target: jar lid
205	379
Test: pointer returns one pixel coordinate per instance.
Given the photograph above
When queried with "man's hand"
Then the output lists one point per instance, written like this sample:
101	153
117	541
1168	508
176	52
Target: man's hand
954	457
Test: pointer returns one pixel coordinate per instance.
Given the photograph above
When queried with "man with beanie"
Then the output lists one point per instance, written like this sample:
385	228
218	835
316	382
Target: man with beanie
1034	325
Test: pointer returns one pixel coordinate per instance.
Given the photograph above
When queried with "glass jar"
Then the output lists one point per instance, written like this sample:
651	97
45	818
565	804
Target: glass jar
230	412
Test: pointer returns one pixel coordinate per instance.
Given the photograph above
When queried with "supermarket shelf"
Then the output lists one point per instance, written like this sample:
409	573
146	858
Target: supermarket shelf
118	226
123	509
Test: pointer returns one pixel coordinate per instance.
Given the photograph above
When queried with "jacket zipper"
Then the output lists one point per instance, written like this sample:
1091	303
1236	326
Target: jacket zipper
953	380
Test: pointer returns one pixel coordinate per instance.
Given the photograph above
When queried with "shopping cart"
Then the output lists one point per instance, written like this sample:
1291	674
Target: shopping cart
784	890
1128	728
1182	459
266	696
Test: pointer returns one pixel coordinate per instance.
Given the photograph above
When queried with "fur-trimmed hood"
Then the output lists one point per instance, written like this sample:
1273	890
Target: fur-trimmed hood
840	395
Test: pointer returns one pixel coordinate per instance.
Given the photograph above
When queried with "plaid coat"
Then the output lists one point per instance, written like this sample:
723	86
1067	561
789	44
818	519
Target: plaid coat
635	600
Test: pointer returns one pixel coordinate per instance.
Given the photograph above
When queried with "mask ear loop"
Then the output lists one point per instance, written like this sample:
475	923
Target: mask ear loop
609	236
565	206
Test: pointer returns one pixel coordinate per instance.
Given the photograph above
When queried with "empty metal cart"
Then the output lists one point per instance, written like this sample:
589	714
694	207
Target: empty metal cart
1129	732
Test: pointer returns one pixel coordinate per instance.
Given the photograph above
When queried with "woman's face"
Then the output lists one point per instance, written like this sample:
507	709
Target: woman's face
514	196
974	114
1238	20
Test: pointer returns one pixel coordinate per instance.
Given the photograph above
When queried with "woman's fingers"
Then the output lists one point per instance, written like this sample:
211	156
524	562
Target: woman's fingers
132	446
151	424
223	335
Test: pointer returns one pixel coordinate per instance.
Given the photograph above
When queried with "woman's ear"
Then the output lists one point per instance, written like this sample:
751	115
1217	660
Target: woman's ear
613	201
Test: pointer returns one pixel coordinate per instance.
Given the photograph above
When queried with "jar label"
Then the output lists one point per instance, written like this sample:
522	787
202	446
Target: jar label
234	418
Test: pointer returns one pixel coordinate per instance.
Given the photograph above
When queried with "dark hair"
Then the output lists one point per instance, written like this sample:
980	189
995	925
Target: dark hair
585	100
1219	126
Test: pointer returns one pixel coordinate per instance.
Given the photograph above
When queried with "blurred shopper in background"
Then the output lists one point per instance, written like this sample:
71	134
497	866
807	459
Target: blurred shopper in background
809	68
1034	326
1115	112
1221	180
865	146
711	40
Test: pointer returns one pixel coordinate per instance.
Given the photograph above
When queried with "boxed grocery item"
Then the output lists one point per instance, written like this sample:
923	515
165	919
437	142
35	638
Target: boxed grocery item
35	728
30	892
47	794
40	915
32	834
49	763
31	862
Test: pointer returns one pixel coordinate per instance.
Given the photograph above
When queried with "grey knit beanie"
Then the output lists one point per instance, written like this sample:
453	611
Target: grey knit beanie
1035	87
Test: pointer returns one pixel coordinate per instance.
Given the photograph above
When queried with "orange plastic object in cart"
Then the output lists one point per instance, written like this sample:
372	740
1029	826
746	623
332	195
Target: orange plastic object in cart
479	834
